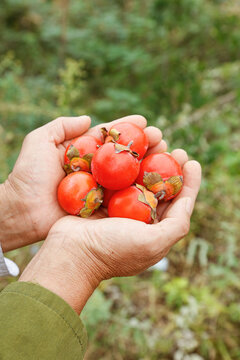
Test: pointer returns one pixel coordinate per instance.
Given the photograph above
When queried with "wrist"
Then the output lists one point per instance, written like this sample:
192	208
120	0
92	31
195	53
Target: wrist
64	269
15	223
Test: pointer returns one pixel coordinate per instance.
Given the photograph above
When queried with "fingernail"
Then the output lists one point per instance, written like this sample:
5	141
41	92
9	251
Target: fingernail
188	205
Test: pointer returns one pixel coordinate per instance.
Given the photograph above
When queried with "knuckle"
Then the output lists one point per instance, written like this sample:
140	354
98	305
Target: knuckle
59	119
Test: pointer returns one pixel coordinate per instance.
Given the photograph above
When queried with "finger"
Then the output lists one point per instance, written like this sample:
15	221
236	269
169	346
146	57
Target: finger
161	208
191	184
180	156
66	128
154	135
176	219
159	148
135	119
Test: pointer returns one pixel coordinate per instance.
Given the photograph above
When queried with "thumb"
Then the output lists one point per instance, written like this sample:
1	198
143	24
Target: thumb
176	224
66	128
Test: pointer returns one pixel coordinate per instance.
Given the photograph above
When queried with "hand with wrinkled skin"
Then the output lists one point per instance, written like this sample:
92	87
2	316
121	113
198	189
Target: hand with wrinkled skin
91	250
29	193
28	199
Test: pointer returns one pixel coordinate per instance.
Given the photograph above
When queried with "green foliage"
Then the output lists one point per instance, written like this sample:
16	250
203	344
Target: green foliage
176	292
71	89
177	63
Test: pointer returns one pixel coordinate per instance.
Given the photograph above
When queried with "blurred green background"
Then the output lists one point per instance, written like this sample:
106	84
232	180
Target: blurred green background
178	64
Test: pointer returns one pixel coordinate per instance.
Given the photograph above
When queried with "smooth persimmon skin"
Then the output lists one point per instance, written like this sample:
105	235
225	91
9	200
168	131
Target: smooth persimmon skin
107	196
85	144
164	164
131	132
114	171
72	189
125	204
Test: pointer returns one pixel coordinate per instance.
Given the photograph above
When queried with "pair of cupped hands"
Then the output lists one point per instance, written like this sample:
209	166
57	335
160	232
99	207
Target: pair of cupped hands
79	253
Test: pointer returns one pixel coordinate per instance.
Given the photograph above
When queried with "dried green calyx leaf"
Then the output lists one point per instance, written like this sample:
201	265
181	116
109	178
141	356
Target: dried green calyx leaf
79	164
120	148
111	136
114	133
88	158
150	179
162	189
72	152
93	201
174	184
104	132
148	198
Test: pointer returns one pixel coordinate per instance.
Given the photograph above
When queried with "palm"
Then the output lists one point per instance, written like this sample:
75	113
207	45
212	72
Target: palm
40	181
126	247
39	169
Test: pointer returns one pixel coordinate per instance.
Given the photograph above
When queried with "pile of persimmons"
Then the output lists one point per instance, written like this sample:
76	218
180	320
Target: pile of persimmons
113	173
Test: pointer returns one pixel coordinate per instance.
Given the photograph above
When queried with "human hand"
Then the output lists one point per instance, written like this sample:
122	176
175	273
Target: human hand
80	253
124	247
28	199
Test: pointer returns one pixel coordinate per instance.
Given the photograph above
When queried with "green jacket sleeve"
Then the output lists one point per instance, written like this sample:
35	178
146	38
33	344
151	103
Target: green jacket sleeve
37	324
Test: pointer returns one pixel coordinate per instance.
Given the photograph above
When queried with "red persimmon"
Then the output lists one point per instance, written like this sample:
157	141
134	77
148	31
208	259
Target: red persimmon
134	202
115	166
107	196
124	133
79	194
79	153
161	174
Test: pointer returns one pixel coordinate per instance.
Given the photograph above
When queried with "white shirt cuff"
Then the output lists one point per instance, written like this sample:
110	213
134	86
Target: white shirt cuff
7	266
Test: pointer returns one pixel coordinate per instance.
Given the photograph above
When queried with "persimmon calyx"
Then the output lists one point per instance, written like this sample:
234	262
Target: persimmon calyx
104	132
93	200
162	189
148	198
77	164
72	152
173	185
110	136
120	148
114	133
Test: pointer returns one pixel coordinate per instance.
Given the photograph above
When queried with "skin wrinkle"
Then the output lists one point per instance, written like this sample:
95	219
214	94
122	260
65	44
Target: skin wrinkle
112	255
94	247
59	133
19	172
61	153
72	251
15	216
78	276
